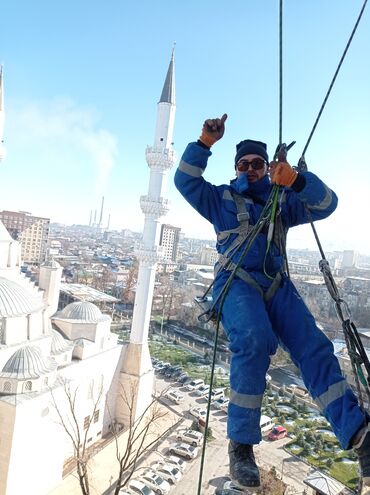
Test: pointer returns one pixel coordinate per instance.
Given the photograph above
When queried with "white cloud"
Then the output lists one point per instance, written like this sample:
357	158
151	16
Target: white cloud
65	135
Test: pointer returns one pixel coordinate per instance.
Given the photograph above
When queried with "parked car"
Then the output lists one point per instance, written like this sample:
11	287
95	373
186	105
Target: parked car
184	450
193	437
155	482
194	384
277	432
217	393
220	403
225	406
168	472
198	412
183	378
174	396
202	391
164	368
179	463
139	487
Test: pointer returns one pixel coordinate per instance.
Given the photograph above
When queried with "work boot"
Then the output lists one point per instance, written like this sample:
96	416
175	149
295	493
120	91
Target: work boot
243	468
362	449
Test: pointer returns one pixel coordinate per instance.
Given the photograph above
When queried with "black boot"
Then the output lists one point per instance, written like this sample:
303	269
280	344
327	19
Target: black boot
243	468
362	449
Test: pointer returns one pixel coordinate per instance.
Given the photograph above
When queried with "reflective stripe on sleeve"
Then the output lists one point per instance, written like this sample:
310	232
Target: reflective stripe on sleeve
245	400
325	203
334	392
228	196
190	169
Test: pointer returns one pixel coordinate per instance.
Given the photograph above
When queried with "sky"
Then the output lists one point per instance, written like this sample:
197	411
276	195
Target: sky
82	80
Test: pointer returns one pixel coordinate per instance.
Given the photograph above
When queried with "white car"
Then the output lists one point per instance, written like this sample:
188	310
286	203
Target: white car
183	450
173	460
198	412
168	472
137	487
174	396
194	384
217	393
202	391
219	403
155	482
193	437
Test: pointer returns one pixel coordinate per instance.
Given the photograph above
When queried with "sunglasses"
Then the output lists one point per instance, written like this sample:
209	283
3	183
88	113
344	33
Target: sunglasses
255	164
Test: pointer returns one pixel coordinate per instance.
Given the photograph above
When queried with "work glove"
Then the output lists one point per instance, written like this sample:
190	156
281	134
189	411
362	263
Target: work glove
282	174
213	130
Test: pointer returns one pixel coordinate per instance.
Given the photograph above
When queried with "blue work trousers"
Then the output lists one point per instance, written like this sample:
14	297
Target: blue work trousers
255	329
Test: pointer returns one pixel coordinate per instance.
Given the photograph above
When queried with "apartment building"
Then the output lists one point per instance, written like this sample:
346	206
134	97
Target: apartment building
32	232
169	241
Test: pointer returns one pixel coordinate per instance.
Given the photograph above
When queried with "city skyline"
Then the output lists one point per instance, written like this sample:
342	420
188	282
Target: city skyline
79	96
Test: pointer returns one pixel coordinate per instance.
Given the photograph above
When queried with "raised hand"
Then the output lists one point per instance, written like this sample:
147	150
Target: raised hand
213	130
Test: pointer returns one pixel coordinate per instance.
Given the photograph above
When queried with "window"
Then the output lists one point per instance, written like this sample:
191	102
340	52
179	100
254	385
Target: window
96	416
28	386
86	422
7	387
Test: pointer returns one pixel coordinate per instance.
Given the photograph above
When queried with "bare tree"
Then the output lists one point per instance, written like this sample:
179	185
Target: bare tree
141	435
130	282
67	414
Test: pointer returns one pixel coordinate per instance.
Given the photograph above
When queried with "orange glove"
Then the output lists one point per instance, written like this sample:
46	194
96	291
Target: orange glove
213	130
282	174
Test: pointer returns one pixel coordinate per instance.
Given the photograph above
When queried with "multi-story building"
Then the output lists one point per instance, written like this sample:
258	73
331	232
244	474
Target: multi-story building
349	259
169	241
32	232
208	255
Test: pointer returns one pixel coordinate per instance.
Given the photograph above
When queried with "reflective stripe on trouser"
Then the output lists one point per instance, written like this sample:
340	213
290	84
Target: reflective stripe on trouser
253	329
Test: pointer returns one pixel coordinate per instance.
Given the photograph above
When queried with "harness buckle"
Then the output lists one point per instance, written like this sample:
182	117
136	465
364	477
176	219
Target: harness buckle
242	217
206	304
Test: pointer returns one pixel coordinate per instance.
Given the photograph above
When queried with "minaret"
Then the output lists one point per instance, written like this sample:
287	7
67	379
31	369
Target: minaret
137	373
2	115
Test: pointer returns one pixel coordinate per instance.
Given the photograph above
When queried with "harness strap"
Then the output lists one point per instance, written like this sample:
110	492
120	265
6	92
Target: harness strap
227	264
244	227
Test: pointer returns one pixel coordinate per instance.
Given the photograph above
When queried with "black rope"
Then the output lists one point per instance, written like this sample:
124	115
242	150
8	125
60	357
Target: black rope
334	78
281	72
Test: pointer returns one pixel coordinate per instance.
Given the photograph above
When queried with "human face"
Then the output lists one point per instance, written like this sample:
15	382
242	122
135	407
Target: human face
252	174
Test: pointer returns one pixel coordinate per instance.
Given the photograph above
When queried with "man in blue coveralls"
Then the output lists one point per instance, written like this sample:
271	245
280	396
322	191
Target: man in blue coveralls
262	308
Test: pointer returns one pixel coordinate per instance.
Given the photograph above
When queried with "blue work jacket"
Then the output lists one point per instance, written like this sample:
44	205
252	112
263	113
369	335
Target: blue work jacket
216	204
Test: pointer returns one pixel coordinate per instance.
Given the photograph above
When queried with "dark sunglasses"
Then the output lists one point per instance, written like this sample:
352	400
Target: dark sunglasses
256	164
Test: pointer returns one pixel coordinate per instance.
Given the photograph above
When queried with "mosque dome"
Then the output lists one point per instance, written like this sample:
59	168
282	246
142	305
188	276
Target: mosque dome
83	311
59	344
28	363
16	300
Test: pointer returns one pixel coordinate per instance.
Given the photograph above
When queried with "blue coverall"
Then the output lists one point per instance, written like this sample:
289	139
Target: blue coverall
254	326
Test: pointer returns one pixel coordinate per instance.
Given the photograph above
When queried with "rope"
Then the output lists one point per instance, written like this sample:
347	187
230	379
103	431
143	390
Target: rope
221	297
281	72
334	78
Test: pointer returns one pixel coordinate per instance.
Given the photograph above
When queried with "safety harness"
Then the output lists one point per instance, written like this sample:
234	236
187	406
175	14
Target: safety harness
225	261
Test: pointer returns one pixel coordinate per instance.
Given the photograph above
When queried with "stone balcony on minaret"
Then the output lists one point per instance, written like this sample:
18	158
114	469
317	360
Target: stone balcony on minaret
160	159
154	208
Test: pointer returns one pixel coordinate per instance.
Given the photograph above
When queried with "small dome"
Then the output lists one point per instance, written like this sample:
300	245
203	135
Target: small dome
83	311
26	363
16	300
58	343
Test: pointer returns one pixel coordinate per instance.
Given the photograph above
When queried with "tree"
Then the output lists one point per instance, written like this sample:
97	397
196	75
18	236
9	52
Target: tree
67	411
128	295
141	436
